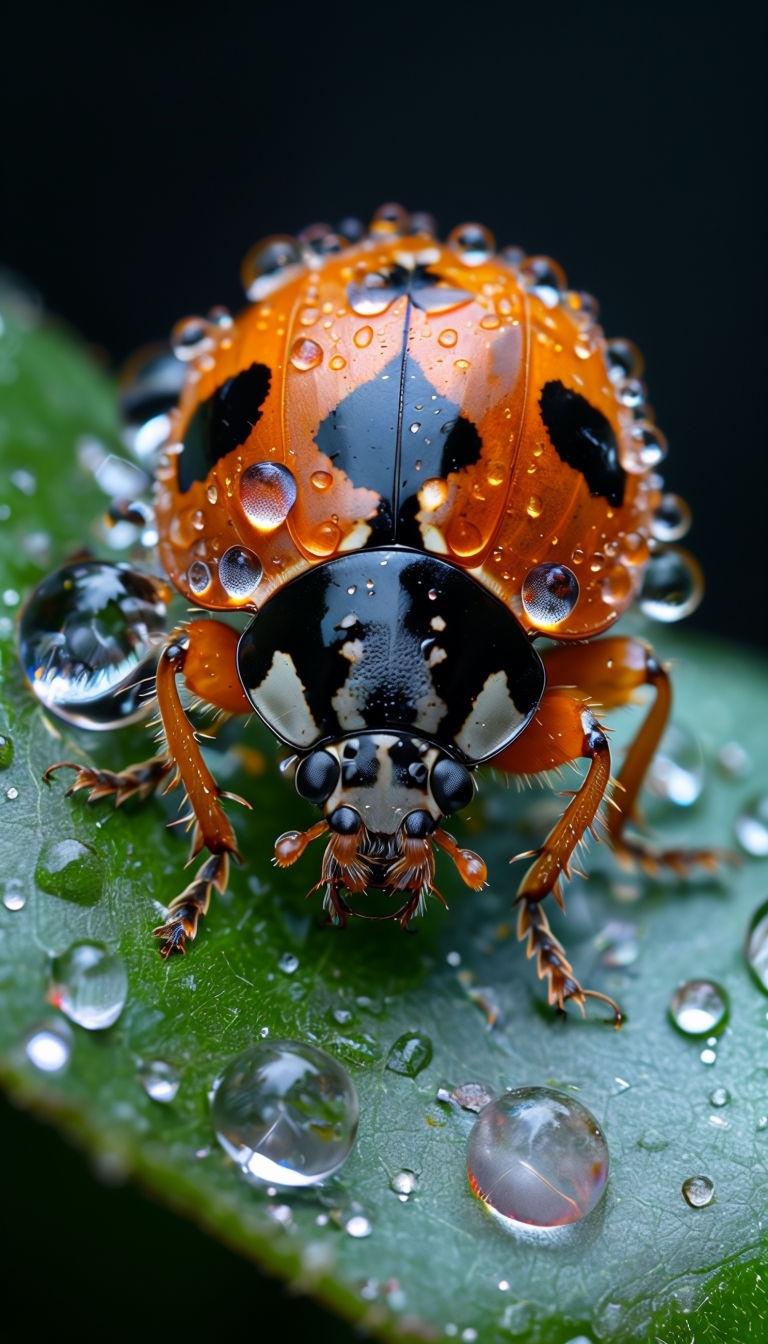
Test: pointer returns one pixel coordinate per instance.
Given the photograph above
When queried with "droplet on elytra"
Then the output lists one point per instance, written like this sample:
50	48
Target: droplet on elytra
699	1007
270	264
538	1157
549	593
756	946
677	772
71	870
240	572
698	1191
751	827
410	1054
89	985
306	354
159	1080
672	585
285	1112
49	1046
671	519
267	494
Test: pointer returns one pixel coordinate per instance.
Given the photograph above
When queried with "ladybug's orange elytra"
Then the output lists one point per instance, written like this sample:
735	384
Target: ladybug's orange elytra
406	462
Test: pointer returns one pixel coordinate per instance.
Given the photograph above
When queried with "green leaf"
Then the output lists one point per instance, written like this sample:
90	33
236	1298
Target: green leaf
644	1264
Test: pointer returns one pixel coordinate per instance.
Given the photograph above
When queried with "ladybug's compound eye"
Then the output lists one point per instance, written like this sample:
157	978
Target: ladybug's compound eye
317	776
451	785
88	641
418	825
345	821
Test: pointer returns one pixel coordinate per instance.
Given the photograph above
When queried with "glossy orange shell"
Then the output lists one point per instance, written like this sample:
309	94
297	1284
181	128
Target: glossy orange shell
489	345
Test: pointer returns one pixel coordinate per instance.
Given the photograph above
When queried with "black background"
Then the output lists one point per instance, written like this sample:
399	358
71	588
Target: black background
144	151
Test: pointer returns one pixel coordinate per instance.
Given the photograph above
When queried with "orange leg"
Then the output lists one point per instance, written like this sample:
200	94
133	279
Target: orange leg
205	653
564	729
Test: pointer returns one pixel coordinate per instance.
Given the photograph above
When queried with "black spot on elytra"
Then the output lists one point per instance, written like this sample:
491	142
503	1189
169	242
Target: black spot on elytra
222	422
584	439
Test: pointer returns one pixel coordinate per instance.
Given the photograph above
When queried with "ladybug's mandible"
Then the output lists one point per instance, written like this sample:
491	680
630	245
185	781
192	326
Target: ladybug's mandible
410	463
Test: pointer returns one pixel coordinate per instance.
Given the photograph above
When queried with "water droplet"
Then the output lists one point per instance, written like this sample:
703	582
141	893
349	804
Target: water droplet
337	363
538	1157
672	586
448	338
6	751
191	337
199	577
756	946
288	963
550	593
647	447
324	539
159	1080
699	1007
321	480
751	827
671	519
285	1112
357	1225
49	1046
267	494
404	1183
410	1054
719	1096
306	354
473	242
12	793
734	760
708	1055
363	337
240	573
390	220
631	393
619	944
14	896
89	985
544	278
534	506
698	1191
677	772
623	358
463	538
271	263
616	586
71	870
88	640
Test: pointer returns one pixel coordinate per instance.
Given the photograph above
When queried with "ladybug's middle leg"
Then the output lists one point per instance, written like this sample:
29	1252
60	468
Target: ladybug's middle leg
564	730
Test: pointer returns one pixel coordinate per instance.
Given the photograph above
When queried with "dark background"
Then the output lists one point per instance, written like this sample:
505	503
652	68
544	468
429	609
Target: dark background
144	152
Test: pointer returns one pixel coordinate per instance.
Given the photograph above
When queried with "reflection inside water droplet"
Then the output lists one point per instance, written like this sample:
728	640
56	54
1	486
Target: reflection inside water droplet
756	946
89	985
159	1080
49	1047
751	827
538	1157
285	1112
699	1007
698	1191
410	1054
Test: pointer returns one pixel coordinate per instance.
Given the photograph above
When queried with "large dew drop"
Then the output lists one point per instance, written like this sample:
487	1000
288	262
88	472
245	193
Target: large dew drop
89	985
285	1112
537	1157
699	1008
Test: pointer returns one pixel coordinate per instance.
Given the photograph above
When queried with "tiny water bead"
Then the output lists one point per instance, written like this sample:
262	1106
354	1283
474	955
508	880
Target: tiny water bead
90	985
409	1054
404	1184
285	1112
751	827
756	946
538	1157
719	1096
14	895
698	1191
49	1046
699	1007
160	1080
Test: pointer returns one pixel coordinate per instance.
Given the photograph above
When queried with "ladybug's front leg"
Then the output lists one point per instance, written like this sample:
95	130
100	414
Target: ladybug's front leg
205	653
563	731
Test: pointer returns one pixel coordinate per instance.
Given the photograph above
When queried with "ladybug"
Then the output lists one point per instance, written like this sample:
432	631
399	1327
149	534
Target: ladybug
427	481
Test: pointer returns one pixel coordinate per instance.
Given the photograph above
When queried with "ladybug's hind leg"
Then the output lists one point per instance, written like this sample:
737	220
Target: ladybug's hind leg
563	731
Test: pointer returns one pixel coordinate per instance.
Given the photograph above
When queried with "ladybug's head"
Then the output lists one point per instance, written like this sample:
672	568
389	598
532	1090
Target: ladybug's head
383	796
